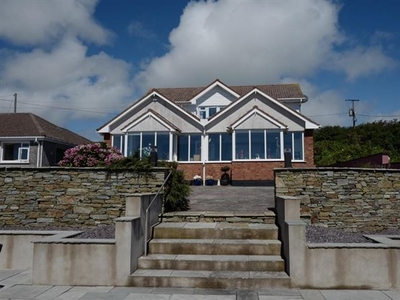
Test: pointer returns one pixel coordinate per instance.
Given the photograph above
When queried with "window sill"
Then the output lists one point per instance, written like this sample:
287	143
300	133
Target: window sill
13	162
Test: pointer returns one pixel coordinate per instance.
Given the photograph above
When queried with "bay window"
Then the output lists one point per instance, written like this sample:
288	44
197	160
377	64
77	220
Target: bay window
189	147
294	142
260	144
142	142
219	147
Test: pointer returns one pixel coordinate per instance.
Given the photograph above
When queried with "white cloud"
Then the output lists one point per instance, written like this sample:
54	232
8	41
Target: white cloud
251	42
41	22
67	77
362	61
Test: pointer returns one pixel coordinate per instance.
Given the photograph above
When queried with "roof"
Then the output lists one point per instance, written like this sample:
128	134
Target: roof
31	125
276	91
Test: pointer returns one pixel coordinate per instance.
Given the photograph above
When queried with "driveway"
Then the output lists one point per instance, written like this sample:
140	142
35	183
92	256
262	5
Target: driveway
231	198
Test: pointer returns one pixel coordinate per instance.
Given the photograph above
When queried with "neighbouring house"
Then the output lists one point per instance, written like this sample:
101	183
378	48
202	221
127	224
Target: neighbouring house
247	128
28	140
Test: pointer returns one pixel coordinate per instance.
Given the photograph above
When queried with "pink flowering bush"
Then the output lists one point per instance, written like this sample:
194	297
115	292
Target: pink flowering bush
90	155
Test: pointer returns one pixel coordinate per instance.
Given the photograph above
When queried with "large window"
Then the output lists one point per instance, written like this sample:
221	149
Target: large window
260	144
294	142
17	152
142	142
219	147
189	147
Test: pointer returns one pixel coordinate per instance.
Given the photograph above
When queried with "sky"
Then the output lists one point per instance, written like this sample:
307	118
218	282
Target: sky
79	63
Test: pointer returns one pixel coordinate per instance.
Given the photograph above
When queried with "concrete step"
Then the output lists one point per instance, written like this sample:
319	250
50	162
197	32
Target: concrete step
266	217
209	279
215	246
213	262
185	230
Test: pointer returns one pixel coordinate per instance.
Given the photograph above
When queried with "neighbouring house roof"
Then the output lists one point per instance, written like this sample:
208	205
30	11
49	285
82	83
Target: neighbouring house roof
276	91
31	125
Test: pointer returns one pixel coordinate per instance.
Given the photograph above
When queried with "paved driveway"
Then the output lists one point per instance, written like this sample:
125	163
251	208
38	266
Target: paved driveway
231	198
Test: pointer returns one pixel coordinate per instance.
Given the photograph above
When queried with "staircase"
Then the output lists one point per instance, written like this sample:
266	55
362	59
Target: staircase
236	255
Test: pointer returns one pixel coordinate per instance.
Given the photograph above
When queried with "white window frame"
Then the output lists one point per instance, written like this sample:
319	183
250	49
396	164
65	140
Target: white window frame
20	149
206	109
265	131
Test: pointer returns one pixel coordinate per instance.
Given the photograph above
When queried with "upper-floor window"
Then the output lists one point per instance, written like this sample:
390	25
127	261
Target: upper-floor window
15	152
206	112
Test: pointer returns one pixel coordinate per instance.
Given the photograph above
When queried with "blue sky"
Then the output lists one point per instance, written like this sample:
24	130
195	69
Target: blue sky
79	63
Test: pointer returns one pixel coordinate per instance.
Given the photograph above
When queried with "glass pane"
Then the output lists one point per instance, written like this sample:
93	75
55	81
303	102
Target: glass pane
212	111
287	140
257	144
298	146
203	114
273	145
226	144
213	147
147	142
163	146
117	142
10	151
242	145
195	147
133	144
24	154
183	146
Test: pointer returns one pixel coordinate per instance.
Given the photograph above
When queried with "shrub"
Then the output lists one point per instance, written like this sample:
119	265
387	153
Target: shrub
176	191
90	155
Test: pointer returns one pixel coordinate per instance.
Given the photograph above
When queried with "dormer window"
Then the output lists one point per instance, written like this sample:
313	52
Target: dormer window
206	112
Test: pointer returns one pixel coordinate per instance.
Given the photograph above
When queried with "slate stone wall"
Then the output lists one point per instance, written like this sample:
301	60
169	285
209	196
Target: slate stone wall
69	197
356	200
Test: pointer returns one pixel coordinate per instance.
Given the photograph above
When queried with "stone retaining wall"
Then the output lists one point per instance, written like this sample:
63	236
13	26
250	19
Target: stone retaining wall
355	200
69	197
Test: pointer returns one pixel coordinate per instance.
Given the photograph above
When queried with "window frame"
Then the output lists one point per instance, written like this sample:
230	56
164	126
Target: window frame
23	146
220	146
189	149
247	152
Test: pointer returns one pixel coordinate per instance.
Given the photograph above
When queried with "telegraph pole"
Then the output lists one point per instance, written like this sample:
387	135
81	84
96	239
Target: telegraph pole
15	103
352	111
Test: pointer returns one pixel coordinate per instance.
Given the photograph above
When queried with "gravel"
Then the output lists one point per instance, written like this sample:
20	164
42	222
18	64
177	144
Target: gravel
319	234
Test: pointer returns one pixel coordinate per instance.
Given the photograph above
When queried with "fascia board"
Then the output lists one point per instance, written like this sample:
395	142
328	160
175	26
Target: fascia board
210	87
9	138
106	128
142	118
308	123
253	112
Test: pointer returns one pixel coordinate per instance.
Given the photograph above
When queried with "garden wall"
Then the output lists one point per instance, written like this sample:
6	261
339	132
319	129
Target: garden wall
346	198
70	197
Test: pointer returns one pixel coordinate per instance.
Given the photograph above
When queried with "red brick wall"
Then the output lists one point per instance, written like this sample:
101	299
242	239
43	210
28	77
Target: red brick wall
308	148
107	139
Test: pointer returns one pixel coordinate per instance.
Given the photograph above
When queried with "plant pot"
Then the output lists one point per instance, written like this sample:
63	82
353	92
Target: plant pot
209	181
197	182
224	179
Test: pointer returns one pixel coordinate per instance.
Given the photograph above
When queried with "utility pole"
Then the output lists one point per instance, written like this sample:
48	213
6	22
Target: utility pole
352	111
15	103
